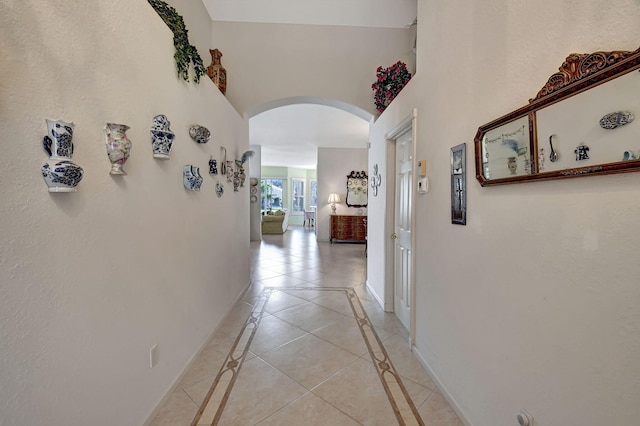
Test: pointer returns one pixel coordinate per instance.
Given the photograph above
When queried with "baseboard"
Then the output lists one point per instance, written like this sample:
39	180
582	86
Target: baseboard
178	380
375	294
441	388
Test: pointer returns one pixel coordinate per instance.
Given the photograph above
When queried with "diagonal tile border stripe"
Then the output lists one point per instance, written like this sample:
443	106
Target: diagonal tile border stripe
217	397
231	367
403	407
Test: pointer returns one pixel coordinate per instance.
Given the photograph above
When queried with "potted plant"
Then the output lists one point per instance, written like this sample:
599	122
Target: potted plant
390	82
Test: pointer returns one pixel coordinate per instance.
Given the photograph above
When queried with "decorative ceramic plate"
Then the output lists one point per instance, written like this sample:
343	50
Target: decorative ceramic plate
199	134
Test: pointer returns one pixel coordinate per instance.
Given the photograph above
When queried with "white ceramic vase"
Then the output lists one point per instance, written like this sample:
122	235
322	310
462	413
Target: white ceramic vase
118	146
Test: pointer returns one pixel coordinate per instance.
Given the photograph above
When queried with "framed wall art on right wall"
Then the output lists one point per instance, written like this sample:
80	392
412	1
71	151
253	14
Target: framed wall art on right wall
458	185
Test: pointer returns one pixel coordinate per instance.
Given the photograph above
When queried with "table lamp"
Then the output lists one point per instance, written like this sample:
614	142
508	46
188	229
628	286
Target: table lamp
333	199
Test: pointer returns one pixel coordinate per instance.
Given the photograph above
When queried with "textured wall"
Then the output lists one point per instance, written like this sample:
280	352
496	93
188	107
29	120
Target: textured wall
266	62
89	281
534	303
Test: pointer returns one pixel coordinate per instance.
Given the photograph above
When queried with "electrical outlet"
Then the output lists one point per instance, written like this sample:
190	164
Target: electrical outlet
153	356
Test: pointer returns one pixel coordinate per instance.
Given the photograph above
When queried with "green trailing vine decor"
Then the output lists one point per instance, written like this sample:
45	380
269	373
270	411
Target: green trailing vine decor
185	52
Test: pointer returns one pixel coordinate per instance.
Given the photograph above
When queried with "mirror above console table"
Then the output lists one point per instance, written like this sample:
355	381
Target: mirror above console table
580	123
357	189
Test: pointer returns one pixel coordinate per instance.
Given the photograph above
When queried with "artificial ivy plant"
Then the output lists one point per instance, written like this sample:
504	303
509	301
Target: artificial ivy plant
185	52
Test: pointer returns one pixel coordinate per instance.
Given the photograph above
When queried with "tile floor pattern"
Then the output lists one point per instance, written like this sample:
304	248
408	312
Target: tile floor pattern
297	356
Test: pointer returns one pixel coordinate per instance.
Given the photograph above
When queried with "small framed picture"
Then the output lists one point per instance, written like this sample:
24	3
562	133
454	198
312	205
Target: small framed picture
458	185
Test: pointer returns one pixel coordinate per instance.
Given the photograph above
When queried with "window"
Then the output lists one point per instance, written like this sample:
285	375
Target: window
314	194
271	193
297	204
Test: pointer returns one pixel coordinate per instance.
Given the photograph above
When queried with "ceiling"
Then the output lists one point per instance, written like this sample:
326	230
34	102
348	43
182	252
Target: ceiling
353	13
290	135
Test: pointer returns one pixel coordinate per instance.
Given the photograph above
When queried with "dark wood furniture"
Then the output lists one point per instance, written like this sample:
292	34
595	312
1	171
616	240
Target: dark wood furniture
347	228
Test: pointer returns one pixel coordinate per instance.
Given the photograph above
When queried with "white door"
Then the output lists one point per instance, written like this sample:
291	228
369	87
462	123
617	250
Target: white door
403	268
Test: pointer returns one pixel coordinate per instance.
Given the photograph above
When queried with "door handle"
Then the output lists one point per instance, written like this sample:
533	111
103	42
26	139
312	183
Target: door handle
394	236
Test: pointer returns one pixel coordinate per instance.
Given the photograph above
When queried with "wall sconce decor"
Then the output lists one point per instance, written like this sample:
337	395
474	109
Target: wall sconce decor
376	180
333	199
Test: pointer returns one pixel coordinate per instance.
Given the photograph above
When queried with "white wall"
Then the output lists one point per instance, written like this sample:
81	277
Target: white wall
334	164
89	281
255	232
265	62
534	303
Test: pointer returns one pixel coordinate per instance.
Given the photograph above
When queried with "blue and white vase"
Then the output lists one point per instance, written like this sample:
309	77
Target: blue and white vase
60	173
241	173
213	166
161	137
191	178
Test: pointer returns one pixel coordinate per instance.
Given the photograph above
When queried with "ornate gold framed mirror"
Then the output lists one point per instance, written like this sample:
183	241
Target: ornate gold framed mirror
580	123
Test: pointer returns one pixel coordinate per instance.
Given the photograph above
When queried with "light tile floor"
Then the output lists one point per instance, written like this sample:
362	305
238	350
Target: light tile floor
299	349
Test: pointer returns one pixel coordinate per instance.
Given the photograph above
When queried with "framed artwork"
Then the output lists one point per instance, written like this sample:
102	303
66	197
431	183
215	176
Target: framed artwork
458	185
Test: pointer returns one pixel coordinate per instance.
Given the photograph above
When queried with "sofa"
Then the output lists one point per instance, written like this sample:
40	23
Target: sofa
275	222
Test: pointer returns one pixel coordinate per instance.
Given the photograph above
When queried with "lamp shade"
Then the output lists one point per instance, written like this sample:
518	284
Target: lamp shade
334	198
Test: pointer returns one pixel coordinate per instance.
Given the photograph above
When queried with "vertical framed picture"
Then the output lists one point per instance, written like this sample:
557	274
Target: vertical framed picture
458	185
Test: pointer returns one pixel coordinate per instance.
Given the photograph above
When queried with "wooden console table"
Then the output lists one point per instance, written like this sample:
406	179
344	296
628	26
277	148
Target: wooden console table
349	228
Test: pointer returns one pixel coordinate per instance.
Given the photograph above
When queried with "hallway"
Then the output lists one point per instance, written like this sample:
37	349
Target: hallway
298	349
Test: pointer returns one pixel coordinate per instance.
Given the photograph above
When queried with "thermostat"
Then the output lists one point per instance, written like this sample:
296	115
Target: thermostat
423	185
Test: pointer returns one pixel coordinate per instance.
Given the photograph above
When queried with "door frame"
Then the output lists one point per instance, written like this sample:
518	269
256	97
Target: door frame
408	123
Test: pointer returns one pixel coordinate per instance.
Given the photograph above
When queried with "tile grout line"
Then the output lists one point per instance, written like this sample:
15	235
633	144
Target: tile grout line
383	366
308	391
